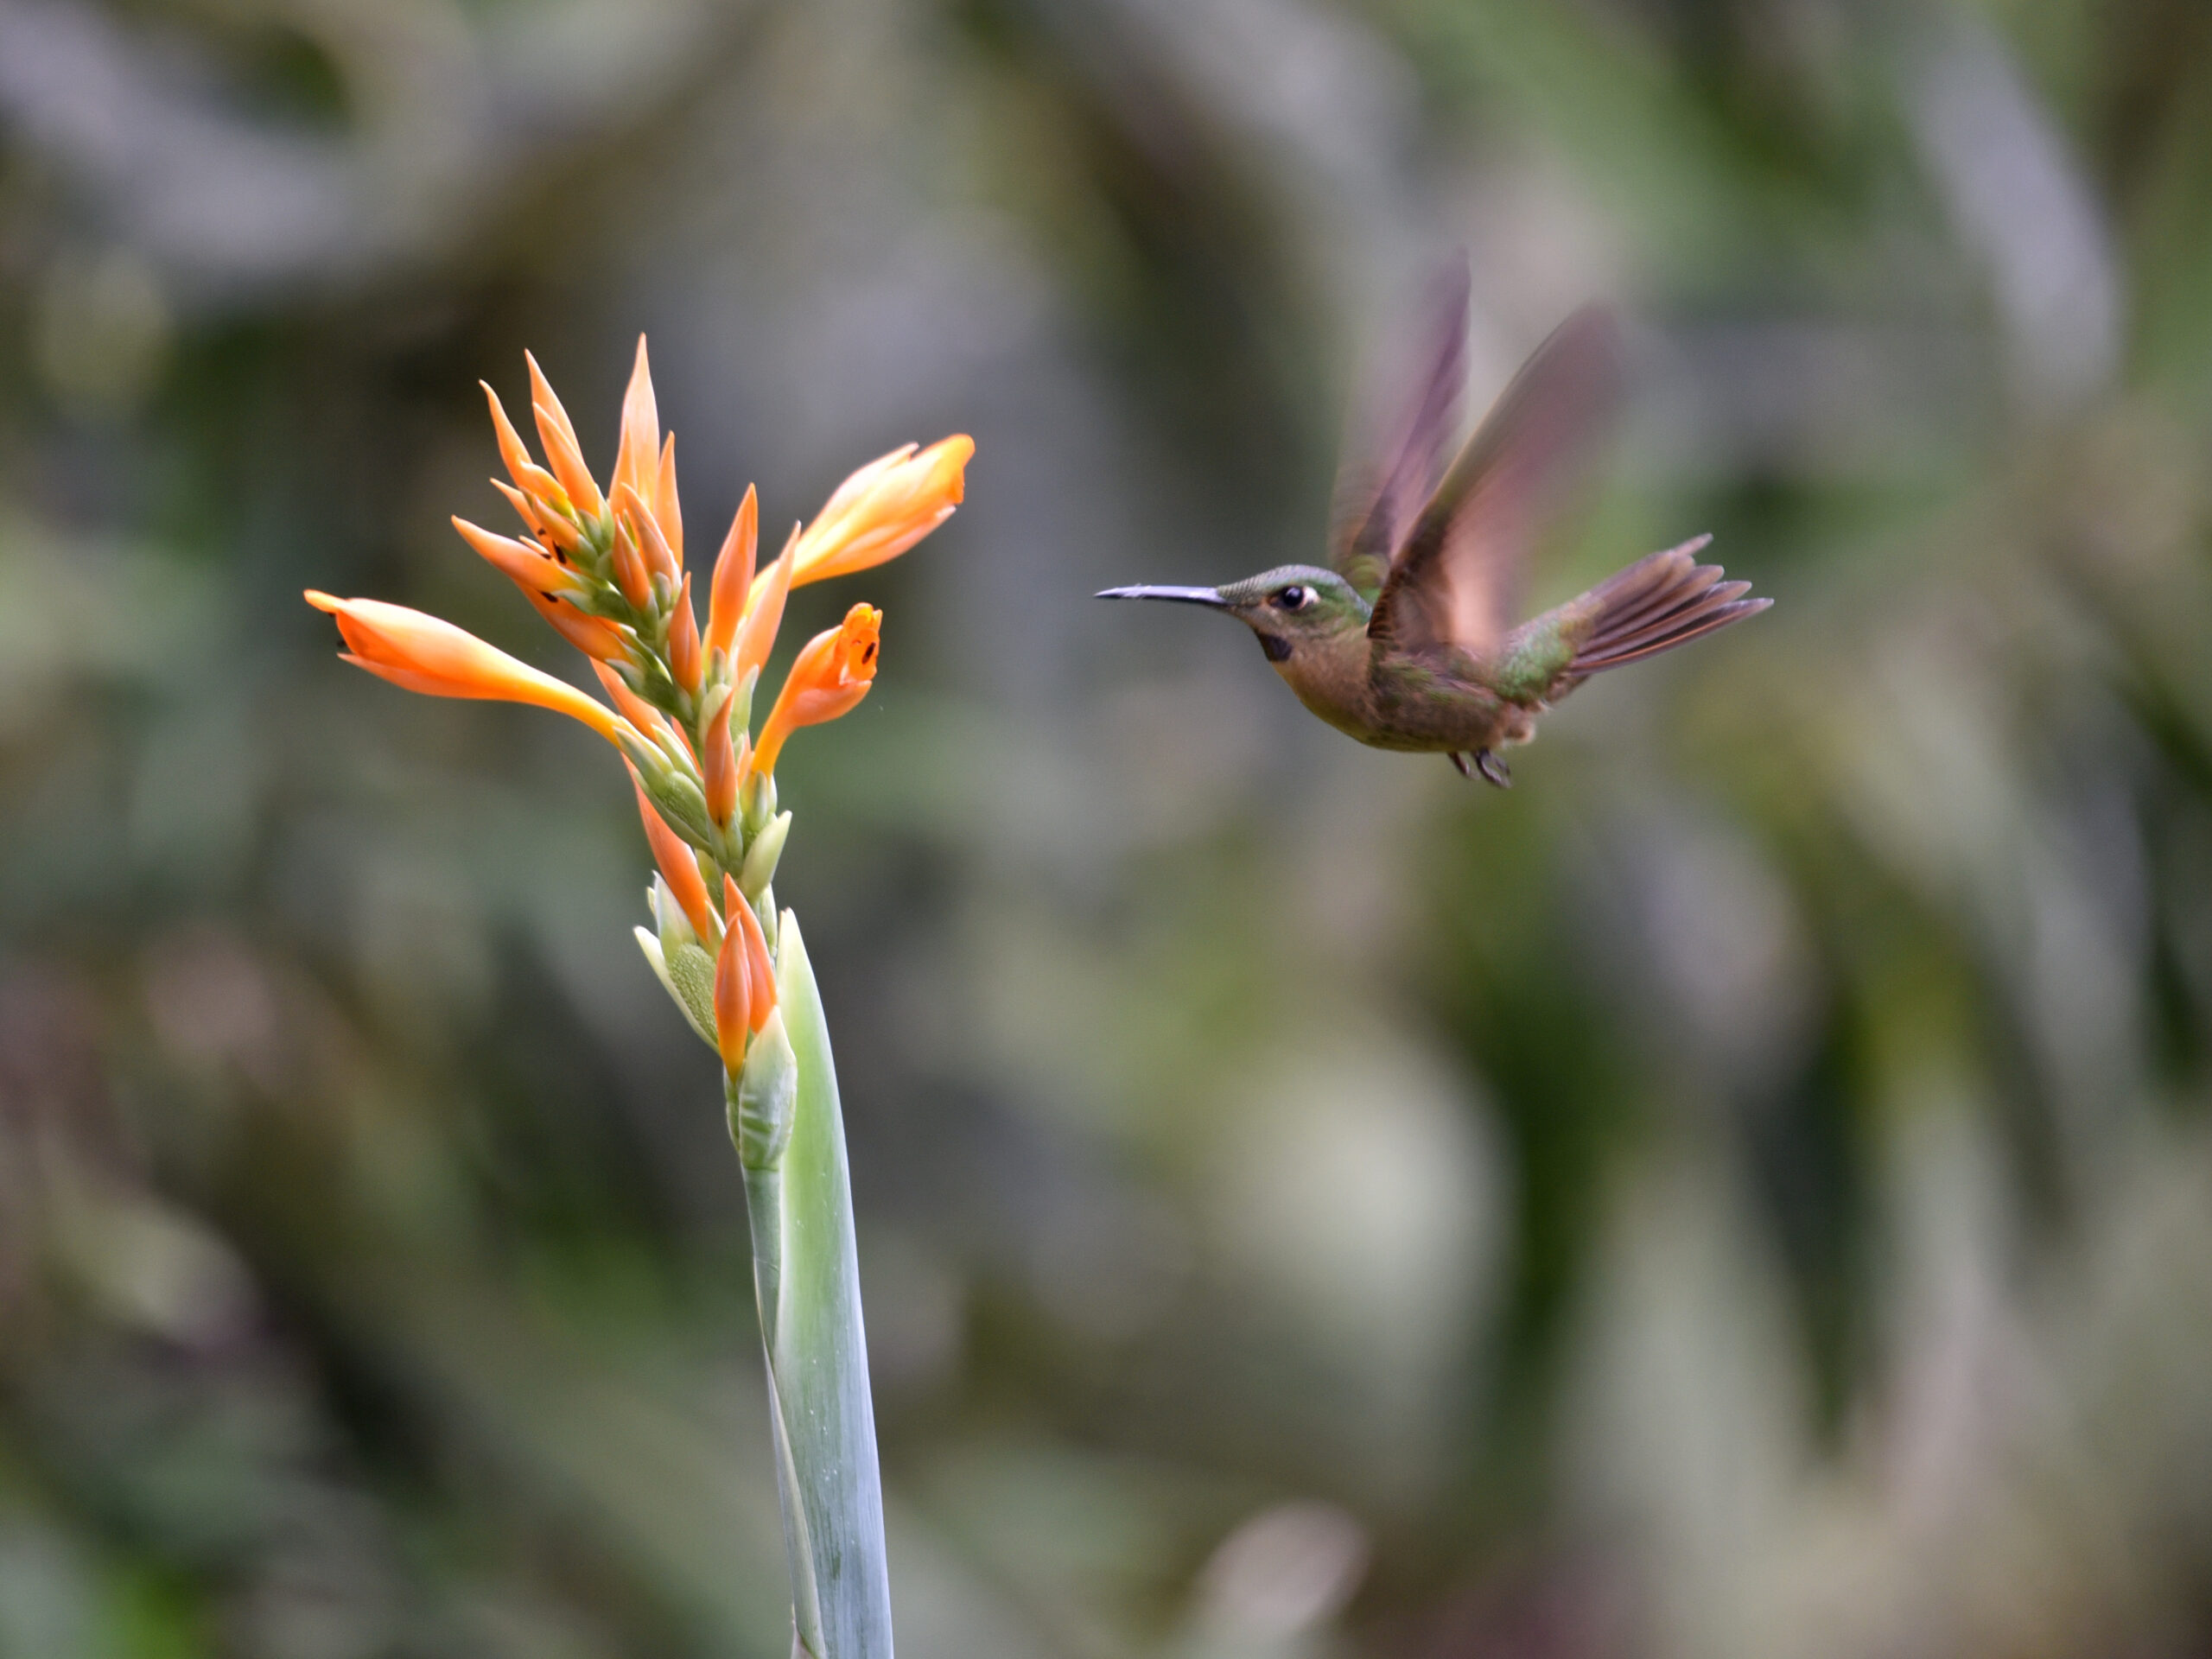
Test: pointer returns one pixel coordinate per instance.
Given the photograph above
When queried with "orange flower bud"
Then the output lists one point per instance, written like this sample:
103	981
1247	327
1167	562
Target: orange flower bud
524	563
527	474
833	672
667	507
424	653
884	509
732	583
760	966
733	995
533	515
660	556
764	611
683	640
567	464
637	461
630	567
672	855
718	767
563	453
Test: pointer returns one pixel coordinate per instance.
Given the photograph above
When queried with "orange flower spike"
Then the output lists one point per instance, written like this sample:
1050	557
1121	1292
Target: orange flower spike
645	525
718	768
684	656
521	562
527	474
427	654
599	639
678	866
884	509
667	507
832	673
732	993
732	582
563	453
636	461
759	964
764	613
630	566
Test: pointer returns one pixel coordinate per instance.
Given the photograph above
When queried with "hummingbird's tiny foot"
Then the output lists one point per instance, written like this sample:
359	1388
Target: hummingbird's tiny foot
1460	761
1493	769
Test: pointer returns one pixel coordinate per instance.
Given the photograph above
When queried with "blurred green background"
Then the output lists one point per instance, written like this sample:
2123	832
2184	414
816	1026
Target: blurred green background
1748	1192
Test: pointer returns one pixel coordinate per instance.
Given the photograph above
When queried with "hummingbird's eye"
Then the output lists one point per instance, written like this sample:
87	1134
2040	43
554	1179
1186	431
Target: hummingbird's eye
1293	598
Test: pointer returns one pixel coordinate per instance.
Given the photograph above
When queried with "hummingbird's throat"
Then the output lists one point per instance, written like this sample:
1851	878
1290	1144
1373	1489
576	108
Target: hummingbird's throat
1276	647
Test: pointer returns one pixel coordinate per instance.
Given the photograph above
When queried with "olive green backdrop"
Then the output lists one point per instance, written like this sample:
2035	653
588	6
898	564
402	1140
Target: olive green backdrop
1747	1191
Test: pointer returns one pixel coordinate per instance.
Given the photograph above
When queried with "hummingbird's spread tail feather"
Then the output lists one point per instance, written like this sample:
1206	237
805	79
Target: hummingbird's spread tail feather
1657	603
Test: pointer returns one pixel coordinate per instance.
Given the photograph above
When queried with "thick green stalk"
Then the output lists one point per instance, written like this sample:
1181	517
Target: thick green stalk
806	1276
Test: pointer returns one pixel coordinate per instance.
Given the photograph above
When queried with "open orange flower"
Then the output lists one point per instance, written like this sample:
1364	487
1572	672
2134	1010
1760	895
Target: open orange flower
831	674
884	509
424	653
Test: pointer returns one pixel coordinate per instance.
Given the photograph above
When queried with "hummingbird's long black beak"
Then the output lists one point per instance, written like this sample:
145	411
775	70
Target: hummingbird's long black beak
1187	595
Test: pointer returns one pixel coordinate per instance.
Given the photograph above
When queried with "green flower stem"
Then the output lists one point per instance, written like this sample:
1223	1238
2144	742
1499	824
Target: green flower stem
806	1276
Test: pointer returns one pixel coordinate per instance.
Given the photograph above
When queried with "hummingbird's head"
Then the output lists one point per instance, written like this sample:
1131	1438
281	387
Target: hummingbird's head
1288	607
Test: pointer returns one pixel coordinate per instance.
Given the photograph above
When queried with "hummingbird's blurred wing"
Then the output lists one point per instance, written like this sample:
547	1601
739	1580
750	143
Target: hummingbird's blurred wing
1380	491
1458	579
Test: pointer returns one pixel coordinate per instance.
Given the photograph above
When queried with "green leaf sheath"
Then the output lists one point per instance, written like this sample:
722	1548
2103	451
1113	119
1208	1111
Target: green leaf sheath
806	1272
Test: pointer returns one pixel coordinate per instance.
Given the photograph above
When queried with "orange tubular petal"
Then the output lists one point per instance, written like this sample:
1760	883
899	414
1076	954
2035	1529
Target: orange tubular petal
761	965
683	640
405	679
528	566
718	767
427	654
764	611
884	509
848	494
667	507
637	462
732	993
558	433
672	855
733	580
831	674
592	635
527	473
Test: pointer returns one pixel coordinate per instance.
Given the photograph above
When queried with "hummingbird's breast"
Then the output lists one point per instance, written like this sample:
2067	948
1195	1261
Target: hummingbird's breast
1418	705
1330	677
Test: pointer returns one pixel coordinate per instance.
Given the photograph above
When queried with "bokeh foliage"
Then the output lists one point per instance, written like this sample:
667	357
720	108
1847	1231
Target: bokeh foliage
1748	1191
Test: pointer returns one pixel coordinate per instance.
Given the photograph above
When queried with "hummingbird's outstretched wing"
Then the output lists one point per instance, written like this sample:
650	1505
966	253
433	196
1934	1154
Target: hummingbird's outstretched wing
1457	580
1379	493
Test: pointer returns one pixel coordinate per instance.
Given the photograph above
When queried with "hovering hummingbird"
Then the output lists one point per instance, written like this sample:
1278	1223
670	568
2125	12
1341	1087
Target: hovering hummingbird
1408	642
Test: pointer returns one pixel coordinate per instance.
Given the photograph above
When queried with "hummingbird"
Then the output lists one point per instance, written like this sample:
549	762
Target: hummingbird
1406	639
